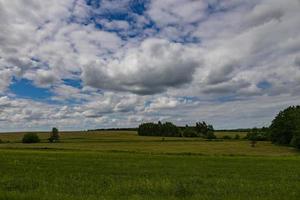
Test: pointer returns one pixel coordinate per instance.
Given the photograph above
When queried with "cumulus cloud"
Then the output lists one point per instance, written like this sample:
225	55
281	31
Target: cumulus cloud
151	68
44	78
176	12
5	78
156	60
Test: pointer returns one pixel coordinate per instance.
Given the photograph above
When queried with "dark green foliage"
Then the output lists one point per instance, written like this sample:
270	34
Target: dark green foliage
226	137
237	137
296	140
167	129
1	141
31	138
285	127
149	129
210	135
258	135
54	136
189	132
205	130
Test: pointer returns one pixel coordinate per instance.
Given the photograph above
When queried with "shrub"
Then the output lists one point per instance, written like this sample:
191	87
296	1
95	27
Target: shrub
1	141
237	137
226	137
258	135
210	135
31	138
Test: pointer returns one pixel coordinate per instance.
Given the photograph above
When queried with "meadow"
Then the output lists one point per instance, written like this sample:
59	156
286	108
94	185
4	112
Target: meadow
122	165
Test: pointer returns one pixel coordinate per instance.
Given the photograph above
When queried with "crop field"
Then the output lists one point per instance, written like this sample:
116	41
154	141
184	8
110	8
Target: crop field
122	165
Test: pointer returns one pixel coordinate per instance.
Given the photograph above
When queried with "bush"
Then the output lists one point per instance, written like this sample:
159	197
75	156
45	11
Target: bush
31	138
237	137
258	135
210	135
226	137
1	141
286	126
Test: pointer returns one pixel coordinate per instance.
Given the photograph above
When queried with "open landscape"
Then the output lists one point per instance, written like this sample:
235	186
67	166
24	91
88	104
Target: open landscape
123	165
149	100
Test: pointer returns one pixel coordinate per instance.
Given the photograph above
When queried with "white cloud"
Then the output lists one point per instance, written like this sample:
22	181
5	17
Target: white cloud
151	68
177	12
216	52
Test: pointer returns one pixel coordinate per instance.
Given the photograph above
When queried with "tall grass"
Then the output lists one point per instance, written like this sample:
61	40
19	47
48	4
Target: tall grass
73	175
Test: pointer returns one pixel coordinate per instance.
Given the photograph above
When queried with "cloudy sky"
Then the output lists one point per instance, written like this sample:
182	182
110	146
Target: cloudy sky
83	64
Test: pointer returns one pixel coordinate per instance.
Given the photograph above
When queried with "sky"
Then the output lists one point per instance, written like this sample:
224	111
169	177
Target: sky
85	64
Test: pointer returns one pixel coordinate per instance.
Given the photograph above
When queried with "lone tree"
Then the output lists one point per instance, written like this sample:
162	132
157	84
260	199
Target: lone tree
285	128
54	136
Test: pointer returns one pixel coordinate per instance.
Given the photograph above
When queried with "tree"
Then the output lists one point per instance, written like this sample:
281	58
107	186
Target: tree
258	134
149	129
296	140
31	138
170	130
253	136
285	128
205	130
54	136
189	132
166	129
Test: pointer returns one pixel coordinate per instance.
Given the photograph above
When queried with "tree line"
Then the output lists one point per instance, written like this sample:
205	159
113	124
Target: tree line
284	129
168	129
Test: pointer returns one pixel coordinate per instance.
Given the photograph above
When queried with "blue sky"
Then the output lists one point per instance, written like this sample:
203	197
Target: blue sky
83	64
24	88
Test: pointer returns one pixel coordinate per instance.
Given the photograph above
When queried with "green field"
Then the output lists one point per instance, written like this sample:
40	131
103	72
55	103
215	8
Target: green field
122	165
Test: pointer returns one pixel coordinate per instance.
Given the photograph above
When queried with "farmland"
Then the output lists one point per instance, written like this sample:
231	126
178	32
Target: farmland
122	165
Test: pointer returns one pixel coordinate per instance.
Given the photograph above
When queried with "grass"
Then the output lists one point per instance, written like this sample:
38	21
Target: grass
126	141
122	165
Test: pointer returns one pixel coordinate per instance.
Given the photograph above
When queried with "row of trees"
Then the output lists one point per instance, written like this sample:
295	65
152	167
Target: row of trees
284	129
168	129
